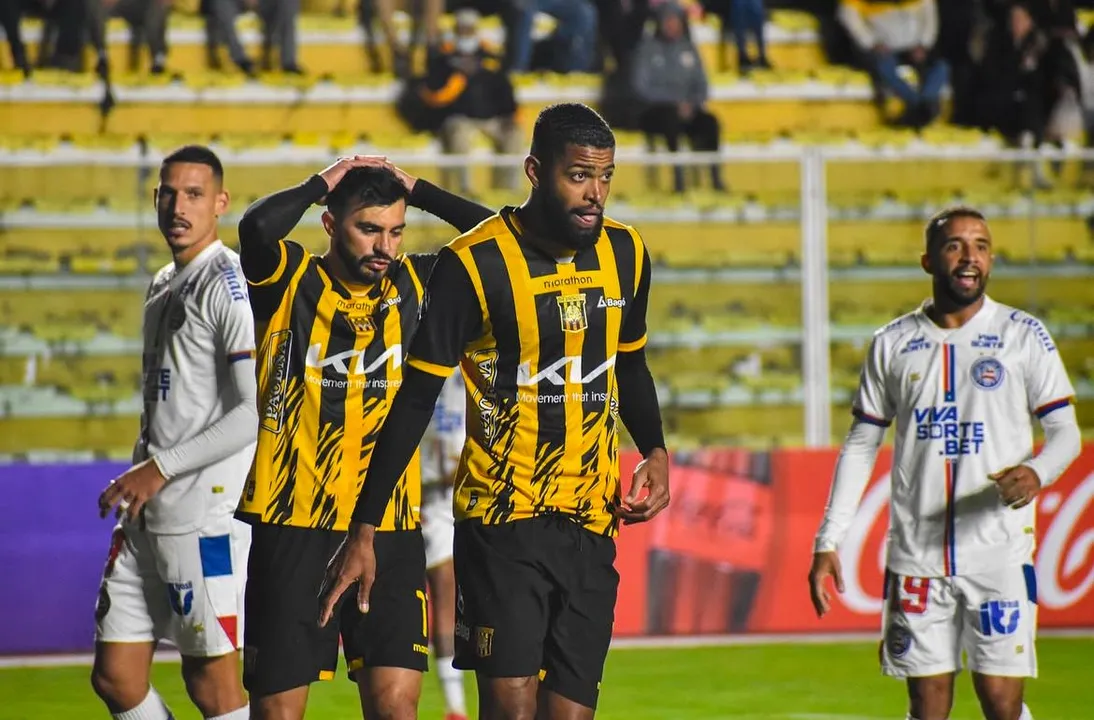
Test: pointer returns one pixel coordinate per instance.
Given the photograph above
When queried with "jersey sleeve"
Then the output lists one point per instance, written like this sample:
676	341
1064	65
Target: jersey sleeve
632	335
1048	387
451	318
874	401
233	325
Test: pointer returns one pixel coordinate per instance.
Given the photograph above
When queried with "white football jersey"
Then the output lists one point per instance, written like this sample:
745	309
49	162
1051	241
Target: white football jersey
443	441
197	321
963	401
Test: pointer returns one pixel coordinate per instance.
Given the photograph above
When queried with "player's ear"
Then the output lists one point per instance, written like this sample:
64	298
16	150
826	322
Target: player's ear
224	199
925	263
328	223
156	197
532	169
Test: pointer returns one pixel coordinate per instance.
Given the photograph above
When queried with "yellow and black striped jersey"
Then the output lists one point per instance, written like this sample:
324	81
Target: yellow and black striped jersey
537	341
330	361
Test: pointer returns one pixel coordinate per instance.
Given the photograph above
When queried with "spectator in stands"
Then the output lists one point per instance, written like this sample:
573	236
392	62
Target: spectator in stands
742	18
220	29
10	15
62	40
279	31
147	20
1014	77
668	78
889	34
621	23
426	15
574	40
467	87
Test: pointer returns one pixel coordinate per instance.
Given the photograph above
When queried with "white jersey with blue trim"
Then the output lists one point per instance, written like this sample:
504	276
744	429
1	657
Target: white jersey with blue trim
963	401
197	322
443	441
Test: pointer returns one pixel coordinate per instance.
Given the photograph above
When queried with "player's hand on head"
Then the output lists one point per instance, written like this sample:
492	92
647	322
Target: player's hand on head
1017	486
825	565
334	172
133	488
652	475
355	561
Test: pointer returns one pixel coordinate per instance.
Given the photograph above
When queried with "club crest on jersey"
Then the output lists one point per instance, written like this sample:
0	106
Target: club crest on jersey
571	308
987	373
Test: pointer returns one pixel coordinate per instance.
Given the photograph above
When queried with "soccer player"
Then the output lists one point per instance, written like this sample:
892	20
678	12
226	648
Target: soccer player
543	307
176	561
440	453
331	331
962	376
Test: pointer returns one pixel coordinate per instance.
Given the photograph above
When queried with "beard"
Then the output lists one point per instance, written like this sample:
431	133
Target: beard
357	267
946	285
561	228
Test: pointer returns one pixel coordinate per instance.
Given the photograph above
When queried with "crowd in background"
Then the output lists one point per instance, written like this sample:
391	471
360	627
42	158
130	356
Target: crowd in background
1020	67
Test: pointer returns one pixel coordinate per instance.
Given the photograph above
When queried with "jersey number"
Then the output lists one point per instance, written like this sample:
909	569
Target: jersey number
425	612
913	595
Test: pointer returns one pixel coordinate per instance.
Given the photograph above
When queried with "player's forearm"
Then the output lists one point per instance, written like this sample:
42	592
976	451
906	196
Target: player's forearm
233	432
403	429
1063	443
853	470
271	219
638	406
460	213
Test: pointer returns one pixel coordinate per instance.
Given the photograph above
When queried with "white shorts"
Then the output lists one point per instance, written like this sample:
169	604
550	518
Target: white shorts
437	524
187	589
928	622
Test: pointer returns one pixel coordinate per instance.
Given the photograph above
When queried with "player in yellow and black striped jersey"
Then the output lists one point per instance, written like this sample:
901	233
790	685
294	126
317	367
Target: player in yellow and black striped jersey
331	332
544	309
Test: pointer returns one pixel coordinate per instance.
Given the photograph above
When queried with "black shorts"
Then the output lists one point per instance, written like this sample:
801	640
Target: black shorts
535	597
284	647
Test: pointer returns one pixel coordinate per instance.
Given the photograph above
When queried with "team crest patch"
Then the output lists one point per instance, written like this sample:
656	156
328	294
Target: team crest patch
898	641
572	310
485	641
987	373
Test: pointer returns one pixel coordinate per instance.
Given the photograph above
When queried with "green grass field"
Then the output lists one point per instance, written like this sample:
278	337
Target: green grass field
806	681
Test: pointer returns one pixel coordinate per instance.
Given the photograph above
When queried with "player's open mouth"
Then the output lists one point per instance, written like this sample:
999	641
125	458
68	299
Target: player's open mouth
967	279
587	218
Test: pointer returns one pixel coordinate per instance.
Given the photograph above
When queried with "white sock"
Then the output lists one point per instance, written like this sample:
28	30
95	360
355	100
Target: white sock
151	708
244	713
1026	714
452	686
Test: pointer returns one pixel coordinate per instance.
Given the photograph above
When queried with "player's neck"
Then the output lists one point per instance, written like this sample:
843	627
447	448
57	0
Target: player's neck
949	315
186	255
338	269
531	226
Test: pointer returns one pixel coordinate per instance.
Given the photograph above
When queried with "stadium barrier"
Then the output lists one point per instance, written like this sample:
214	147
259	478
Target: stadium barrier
730	555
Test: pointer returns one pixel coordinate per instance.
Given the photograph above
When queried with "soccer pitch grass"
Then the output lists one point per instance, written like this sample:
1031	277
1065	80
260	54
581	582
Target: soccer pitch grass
810	681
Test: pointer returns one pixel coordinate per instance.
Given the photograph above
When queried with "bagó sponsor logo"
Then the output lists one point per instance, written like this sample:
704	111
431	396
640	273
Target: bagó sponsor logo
1065	555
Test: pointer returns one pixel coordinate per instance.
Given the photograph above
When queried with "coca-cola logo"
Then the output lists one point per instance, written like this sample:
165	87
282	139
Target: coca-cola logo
1065	574
872	512
1065	556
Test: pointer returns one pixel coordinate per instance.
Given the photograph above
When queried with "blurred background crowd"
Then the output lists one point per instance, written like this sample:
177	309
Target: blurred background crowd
1021	68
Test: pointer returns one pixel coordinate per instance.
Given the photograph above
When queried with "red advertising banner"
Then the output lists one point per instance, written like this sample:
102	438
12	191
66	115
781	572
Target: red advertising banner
732	552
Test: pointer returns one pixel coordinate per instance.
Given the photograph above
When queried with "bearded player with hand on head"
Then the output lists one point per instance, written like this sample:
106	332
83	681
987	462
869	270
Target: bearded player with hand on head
962	377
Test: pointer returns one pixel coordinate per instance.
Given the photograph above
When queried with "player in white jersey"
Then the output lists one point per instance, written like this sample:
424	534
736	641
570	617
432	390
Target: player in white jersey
177	561
962	377
440	450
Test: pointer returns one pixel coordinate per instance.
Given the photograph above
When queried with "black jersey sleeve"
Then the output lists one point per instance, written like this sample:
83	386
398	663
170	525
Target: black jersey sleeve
451	318
267	222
